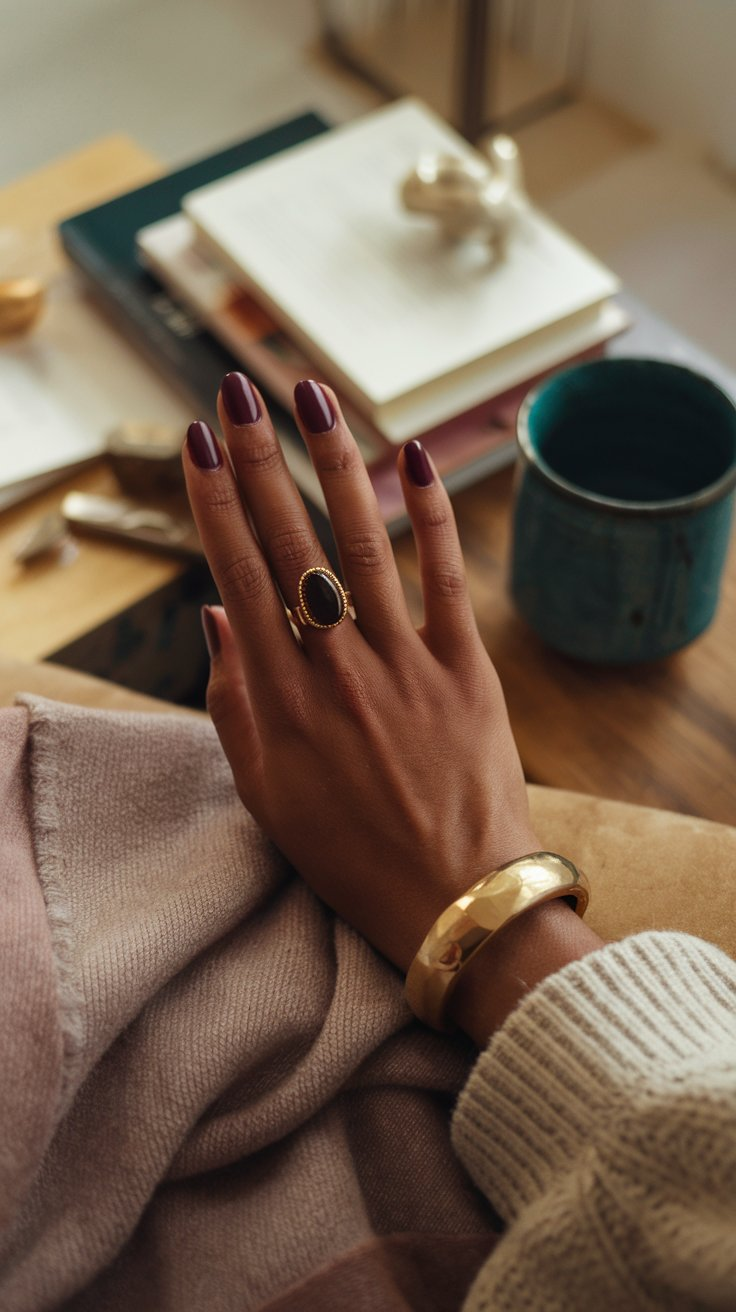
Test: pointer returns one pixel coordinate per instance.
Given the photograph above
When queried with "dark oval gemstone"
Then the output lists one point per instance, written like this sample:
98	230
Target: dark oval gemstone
323	601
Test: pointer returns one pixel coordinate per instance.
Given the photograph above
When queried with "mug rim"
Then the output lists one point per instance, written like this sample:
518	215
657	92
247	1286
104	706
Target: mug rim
616	505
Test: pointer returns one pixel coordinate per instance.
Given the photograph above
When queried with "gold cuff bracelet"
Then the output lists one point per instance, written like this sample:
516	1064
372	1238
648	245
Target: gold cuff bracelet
472	920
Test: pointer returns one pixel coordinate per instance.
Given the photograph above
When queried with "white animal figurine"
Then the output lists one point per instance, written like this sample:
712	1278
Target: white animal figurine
471	198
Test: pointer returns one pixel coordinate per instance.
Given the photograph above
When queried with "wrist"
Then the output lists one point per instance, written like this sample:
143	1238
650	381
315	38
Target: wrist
497	939
434	889
522	954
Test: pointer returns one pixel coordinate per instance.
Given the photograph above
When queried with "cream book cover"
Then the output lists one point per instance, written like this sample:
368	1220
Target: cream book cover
414	328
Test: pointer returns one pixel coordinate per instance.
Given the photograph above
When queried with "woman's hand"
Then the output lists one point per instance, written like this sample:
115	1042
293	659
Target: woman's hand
379	759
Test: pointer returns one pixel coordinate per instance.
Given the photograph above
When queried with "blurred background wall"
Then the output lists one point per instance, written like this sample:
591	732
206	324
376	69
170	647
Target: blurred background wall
670	64
639	161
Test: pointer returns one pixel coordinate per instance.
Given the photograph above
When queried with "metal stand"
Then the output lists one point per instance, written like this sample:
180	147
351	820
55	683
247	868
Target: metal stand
478	53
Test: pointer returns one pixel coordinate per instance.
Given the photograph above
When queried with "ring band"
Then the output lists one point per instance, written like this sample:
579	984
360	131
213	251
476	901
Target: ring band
323	601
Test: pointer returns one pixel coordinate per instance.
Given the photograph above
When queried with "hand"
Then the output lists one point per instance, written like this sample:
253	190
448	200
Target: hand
379	759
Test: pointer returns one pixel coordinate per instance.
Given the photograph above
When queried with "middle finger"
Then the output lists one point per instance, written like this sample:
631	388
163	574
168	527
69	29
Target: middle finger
276	509
360	533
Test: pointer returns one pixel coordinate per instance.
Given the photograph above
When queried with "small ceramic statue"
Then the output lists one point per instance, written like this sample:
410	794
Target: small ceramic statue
471	198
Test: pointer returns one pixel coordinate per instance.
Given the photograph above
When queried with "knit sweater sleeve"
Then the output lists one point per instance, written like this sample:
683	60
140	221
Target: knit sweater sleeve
601	1124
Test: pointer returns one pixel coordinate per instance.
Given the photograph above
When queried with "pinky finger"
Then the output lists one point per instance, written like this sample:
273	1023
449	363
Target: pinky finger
448	615
230	707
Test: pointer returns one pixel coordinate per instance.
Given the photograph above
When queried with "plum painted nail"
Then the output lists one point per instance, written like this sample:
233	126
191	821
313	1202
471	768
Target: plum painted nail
417	464
203	446
314	407
239	399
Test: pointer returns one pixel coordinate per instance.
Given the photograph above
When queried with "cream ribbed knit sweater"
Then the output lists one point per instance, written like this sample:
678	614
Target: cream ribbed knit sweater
601	1124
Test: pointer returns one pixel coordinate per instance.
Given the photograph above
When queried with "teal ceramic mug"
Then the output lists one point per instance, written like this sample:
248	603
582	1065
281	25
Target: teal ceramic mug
623	508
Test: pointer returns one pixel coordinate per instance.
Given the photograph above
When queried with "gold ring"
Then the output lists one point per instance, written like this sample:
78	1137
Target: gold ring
323	601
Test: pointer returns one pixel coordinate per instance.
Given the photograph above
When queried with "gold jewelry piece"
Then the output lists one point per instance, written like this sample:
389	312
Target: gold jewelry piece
21	302
323	601
472	920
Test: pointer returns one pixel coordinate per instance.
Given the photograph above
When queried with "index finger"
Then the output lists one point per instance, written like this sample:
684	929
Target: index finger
242	576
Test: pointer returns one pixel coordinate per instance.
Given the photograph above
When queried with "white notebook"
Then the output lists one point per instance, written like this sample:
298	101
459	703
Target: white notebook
413	327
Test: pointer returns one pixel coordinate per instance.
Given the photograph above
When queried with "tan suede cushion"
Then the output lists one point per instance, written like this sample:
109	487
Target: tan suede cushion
648	869
63	685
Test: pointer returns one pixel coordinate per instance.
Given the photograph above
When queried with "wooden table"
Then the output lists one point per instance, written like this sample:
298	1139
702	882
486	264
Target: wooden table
44	607
661	734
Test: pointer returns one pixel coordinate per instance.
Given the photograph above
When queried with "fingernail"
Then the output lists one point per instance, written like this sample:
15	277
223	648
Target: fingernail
314	407
211	634
239	399
417	464
203	445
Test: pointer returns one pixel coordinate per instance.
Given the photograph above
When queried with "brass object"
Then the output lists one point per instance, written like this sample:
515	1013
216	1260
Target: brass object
146	458
21	302
48	535
472	920
129	521
470	197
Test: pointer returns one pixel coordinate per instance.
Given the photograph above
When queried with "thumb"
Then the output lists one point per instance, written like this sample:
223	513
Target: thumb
229	705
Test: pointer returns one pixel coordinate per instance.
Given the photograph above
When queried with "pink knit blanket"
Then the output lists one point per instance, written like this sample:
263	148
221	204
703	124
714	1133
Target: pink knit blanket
211	1092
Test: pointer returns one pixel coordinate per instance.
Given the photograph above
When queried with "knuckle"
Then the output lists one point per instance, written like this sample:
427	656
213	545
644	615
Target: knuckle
352	691
220	497
244	577
291	546
289	717
474	677
365	552
435	517
261	457
447	582
342	462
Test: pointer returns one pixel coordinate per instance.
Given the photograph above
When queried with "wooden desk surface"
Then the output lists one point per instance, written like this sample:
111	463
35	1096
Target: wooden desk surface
662	735
46	606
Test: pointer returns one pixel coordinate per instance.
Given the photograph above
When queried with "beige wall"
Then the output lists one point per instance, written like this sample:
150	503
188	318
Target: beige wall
670	64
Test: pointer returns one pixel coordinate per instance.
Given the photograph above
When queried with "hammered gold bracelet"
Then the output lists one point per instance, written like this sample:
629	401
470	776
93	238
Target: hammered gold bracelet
471	920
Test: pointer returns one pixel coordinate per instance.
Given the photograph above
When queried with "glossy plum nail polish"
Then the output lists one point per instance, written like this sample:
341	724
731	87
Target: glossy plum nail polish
239	399
417	464
314	407
203	446
211	635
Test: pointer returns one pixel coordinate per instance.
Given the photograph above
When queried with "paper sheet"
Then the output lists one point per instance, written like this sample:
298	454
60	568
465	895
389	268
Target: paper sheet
65	386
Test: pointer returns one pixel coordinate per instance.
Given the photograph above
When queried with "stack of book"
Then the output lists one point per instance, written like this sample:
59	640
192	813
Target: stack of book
290	256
